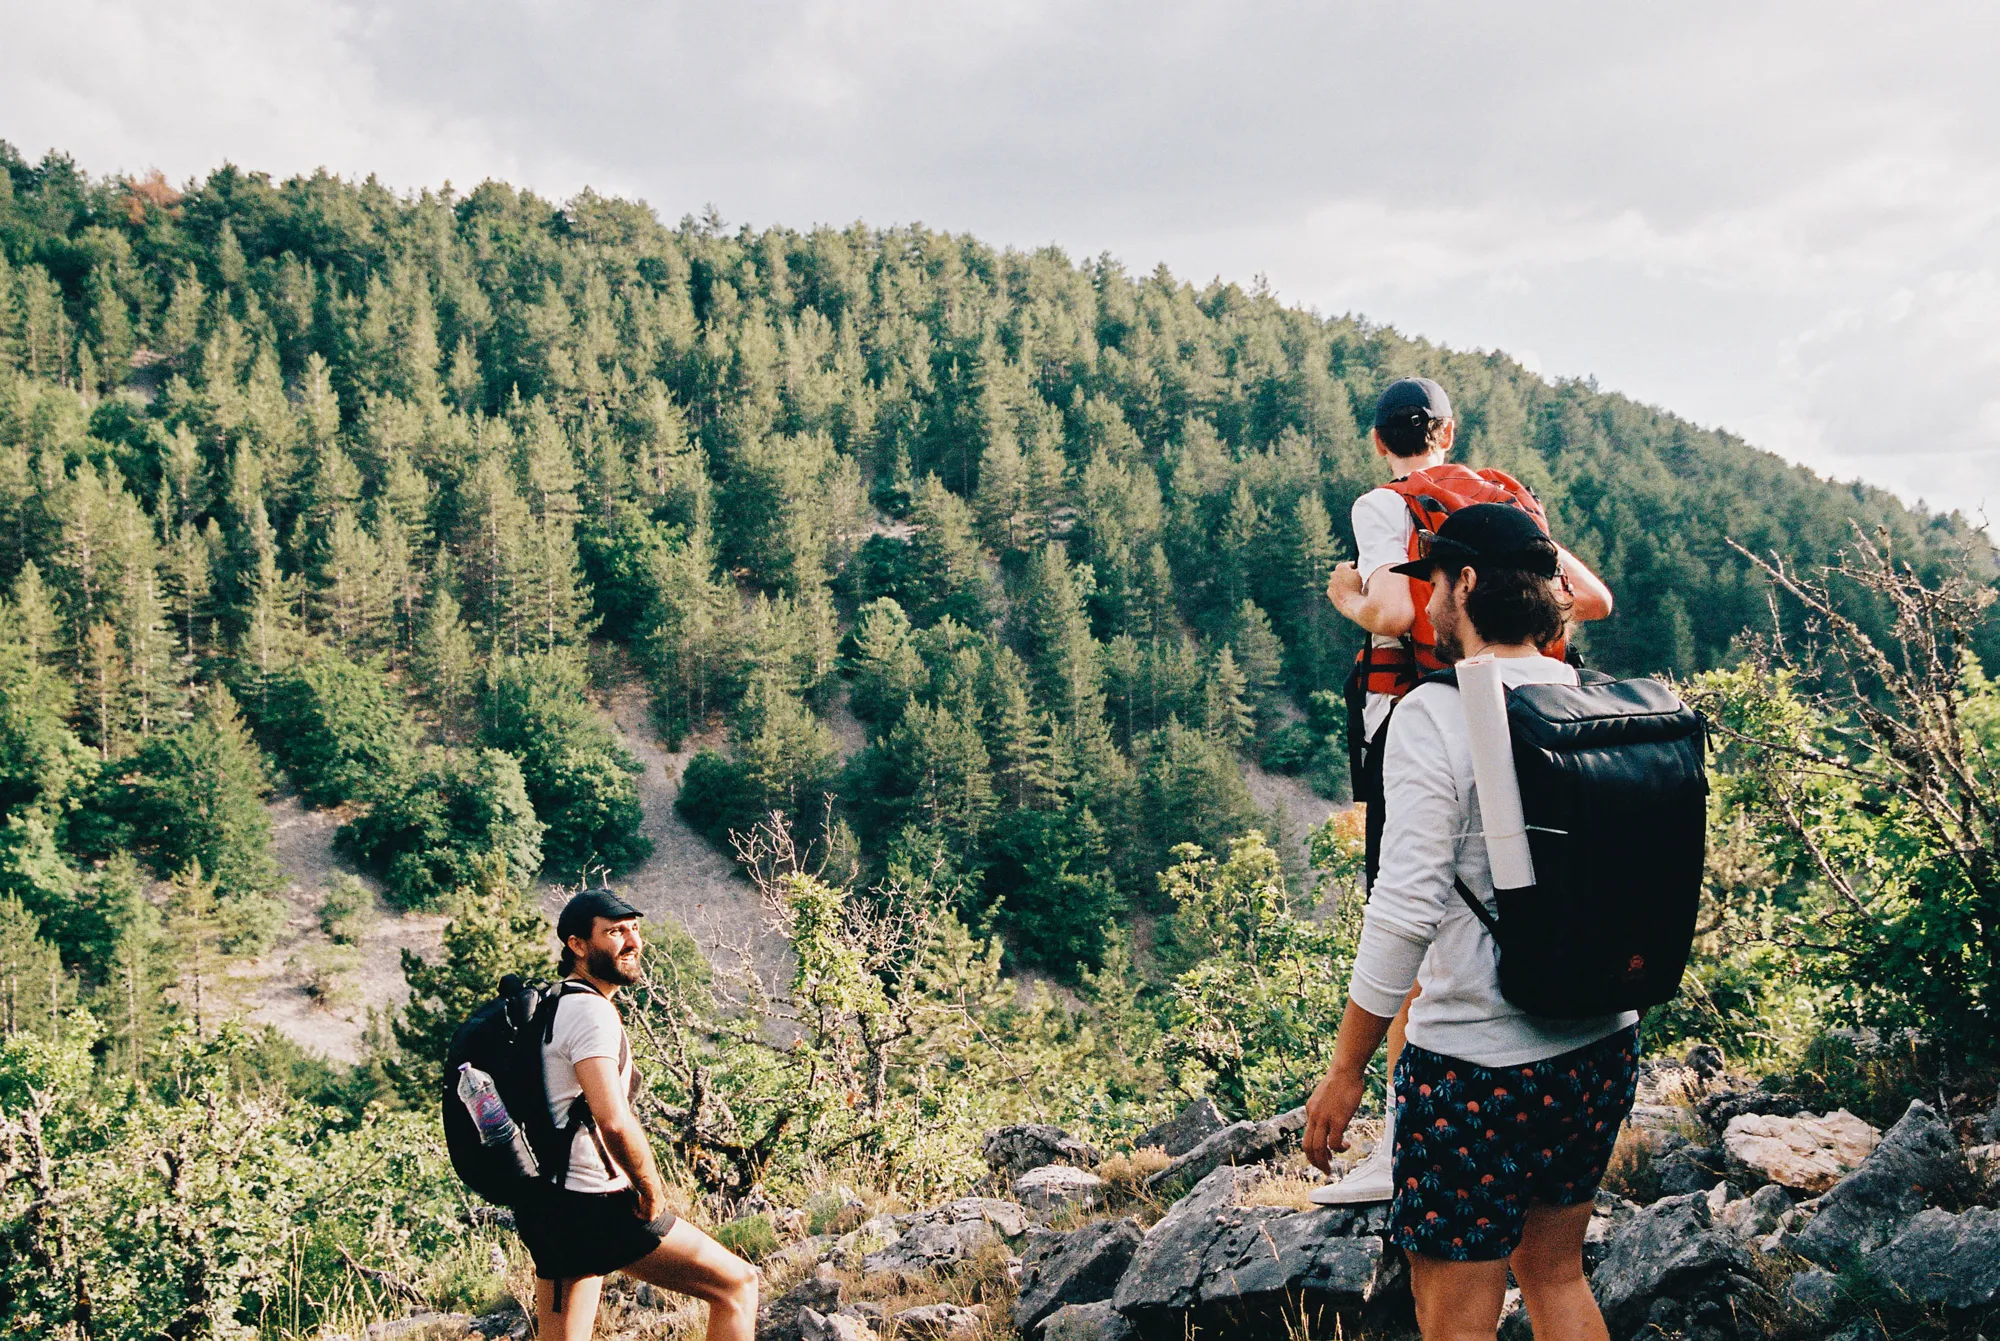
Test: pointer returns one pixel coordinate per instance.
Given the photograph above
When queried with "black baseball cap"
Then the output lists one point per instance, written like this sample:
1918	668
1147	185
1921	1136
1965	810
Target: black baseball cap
580	914
1485	535
1409	394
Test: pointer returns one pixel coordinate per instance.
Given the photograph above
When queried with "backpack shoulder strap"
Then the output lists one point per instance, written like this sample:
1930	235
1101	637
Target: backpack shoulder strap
1486	919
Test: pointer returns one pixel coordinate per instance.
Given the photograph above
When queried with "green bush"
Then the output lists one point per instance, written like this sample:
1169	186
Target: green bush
460	807
347	911
718	796
340	729
751	1237
576	773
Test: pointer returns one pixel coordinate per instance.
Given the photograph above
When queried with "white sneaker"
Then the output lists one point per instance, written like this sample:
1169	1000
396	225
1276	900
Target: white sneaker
1373	1178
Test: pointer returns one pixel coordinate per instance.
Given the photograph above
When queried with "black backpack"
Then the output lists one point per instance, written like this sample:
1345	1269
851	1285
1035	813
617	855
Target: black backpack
504	1038
1614	789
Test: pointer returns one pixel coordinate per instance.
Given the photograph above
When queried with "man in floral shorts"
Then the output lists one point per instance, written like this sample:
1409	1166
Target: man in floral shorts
1504	1120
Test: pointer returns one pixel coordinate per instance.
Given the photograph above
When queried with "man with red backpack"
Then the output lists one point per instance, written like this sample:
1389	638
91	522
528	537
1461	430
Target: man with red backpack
1414	434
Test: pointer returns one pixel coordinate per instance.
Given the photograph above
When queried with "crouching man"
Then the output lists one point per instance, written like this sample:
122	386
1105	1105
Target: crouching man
1504	1121
610	1213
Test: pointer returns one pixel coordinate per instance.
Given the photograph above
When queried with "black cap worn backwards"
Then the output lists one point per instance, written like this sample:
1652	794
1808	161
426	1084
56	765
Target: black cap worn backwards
1412	394
580	914
1485	535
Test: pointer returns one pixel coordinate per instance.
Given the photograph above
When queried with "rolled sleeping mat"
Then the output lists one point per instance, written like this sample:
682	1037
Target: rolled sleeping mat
1485	700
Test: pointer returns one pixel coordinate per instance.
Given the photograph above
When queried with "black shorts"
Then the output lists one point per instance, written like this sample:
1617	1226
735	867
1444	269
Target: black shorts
576	1234
1476	1146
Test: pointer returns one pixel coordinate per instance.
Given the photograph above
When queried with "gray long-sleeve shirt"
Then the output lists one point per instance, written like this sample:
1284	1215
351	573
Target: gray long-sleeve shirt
1417	929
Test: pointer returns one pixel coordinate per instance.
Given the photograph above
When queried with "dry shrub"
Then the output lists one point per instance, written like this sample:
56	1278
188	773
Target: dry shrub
1630	1172
1125	1175
983	1279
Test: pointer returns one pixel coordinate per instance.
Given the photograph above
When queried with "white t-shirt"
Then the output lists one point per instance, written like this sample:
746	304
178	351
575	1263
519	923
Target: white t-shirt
1382	528
1416	928
587	1025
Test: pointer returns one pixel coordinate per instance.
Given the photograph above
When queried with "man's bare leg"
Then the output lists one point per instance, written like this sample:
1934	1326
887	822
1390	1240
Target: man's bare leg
1458	1301
1549	1267
578	1318
690	1262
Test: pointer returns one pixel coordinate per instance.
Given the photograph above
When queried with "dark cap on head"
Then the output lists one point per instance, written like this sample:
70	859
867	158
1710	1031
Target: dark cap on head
580	914
1485	535
1411	394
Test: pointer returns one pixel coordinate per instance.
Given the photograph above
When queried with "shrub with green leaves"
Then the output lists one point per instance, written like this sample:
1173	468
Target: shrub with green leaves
430	835
338	727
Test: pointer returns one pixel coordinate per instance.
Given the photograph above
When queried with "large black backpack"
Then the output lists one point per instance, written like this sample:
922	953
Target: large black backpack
504	1038
1615	793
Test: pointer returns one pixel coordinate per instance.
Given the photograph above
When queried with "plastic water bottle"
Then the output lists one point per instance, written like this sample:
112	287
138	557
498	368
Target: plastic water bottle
482	1100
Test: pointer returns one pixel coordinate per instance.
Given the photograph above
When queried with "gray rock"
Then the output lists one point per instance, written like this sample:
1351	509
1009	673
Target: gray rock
782	1318
1670	1266
1861	1329
1917	1163
509	1322
1087	1322
1757	1215
1989	1126
1054	1186
1012	1151
947	1234
816	1326
397	1327
1251	1272
1611	1211
935	1322
1240	1144
1813	1290
1941	1258
1187	1129
1688	1168
1076	1268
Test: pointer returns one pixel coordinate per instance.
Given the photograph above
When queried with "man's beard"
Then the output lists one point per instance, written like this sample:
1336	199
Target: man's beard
1445	632
604	966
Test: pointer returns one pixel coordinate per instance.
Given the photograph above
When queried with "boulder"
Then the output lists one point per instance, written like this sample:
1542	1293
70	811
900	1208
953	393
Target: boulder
1758	1215
1688	1168
782	1318
1012	1151
1916	1164
1984	1161
1659	1127
438	1323
816	1326
935	1322
1240	1144
1185	1130
946	1235
1804	1152
1054	1186
1611	1211
1082	1267
1941	1258
1720	1109
1861	1329
1814	1291
1215	1266
1671	1267
1087	1322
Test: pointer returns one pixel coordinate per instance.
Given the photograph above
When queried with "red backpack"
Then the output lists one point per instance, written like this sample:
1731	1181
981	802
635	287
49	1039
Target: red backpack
1432	495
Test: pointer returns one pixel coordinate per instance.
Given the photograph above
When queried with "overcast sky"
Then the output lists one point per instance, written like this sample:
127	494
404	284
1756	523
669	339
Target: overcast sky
1779	219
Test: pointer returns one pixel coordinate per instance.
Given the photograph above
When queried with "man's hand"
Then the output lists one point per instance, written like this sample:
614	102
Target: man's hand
1343	588
652	1197
1328	1112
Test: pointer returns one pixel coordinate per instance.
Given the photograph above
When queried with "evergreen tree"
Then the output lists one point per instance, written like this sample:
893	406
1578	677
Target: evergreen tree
445	660
34	989
1226	715
883	664
944	558
196	930
1053	634
1261	656
194	797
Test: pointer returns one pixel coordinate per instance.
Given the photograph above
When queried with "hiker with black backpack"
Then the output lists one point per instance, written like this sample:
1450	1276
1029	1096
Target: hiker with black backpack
538	1118
1522	1049
1415	432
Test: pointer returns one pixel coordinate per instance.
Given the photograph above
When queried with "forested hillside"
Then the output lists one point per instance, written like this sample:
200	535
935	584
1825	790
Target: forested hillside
315	482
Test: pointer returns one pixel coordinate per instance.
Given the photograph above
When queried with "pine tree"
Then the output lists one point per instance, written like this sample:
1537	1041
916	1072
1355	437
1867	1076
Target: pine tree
944	558
1261	655
32	614
1225	714
195	930
350	596
271	633
1236	546
140	969
1001	501
188	576
110	328
34	989
1054	637
883	666
1045	490
198	799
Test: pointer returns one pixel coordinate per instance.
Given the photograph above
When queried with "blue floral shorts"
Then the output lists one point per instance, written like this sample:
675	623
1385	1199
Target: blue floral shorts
1476	1145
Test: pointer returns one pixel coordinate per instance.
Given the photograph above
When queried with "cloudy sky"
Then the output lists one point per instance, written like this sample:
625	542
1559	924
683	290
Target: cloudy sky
1777	218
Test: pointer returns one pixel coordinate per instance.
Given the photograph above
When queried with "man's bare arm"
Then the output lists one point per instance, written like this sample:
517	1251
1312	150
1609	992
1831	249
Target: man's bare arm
1592	599
1338	1094
1384	607
619	1127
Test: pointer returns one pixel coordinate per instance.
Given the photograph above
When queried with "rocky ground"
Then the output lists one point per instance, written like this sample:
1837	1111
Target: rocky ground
1751	1220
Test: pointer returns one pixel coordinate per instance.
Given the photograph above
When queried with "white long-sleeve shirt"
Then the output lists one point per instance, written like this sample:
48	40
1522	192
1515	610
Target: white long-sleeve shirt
1417	929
